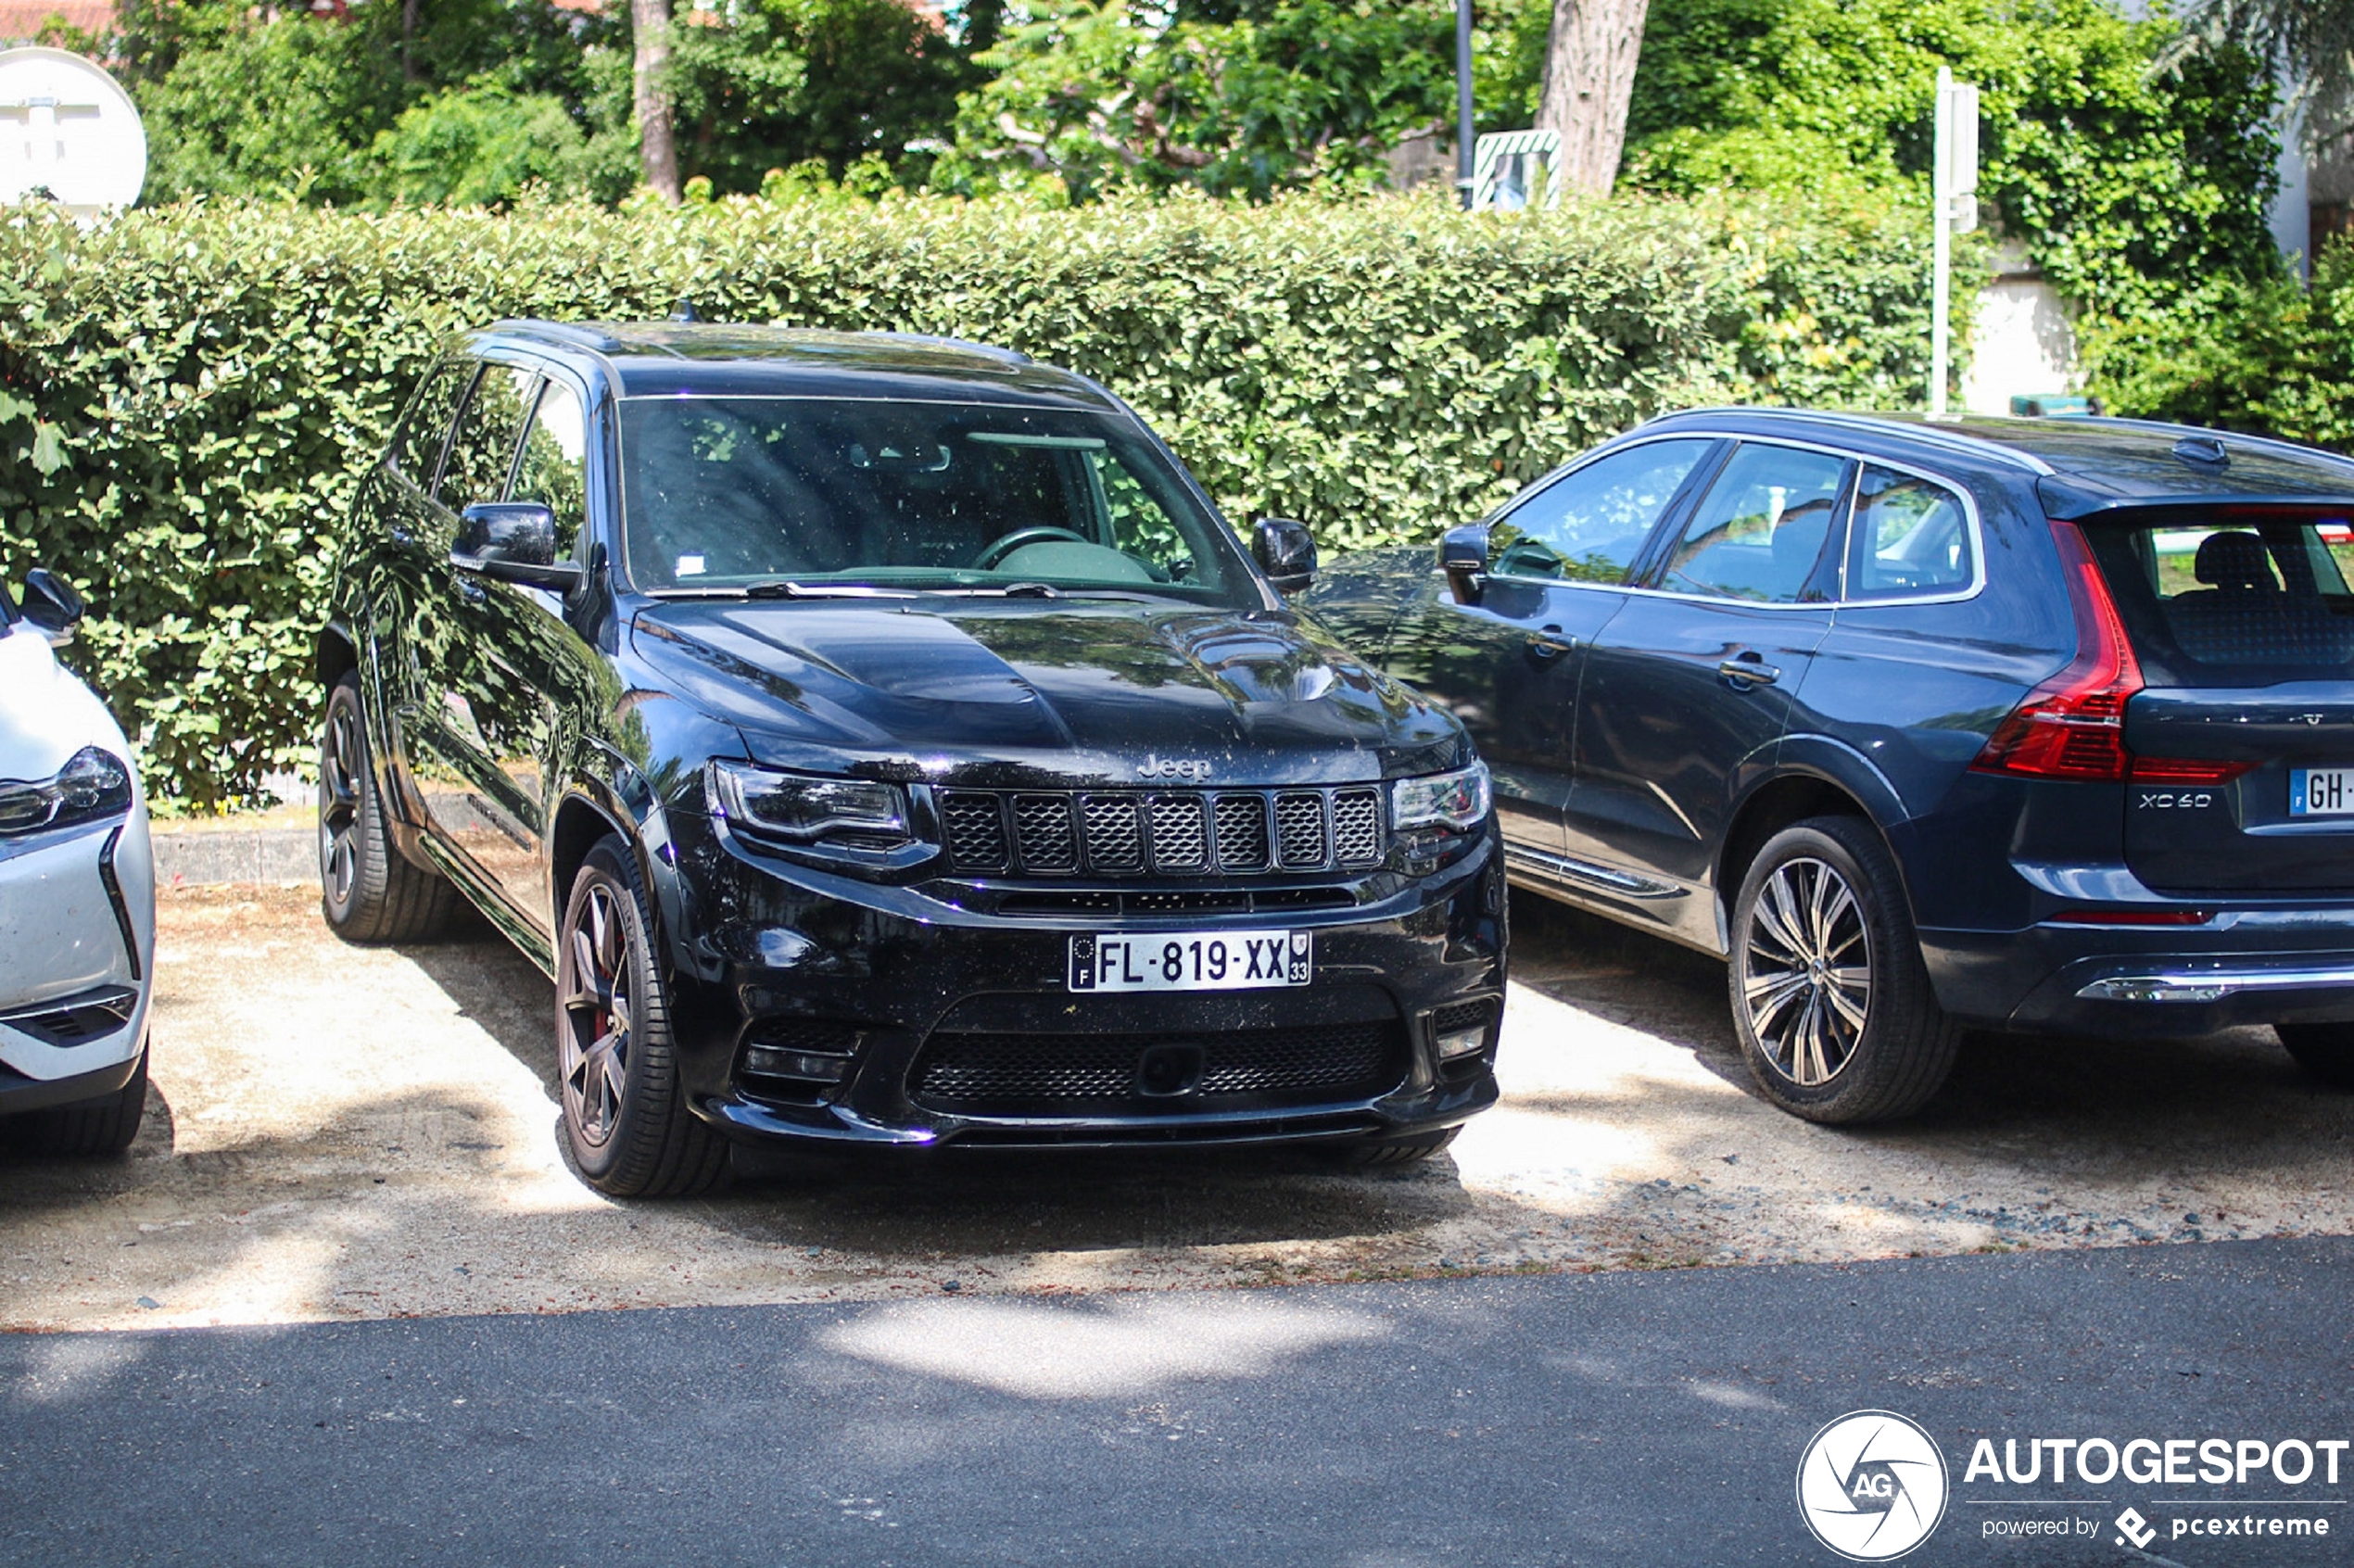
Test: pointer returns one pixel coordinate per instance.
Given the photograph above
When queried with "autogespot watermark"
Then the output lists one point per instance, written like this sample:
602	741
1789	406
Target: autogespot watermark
1873	1485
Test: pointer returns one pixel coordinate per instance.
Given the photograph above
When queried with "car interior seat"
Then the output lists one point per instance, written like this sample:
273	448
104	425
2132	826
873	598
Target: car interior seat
2242	615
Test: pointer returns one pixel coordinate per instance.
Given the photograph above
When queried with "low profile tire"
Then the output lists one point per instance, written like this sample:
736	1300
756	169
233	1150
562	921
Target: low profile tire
2325	1051
107	1125
369	891
625	1120
1830	997
1370	1152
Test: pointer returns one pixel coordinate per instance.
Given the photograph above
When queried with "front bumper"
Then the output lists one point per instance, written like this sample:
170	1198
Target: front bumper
768	954
2262	965
77	947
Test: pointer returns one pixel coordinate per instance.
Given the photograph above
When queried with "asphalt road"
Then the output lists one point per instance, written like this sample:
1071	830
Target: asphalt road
1626	1419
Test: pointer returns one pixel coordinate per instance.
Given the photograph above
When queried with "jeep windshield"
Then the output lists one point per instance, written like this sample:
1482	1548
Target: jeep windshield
795	498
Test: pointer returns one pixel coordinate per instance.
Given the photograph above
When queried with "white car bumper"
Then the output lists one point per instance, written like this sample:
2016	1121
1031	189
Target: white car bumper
74	985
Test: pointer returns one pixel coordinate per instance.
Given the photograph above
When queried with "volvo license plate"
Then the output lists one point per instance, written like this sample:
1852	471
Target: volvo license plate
1192	960
2321	791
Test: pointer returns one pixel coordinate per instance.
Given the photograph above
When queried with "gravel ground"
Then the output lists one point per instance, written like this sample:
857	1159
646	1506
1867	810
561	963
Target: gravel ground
346	1133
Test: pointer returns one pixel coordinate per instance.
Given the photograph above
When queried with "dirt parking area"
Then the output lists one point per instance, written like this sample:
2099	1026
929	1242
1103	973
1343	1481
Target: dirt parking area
343	1132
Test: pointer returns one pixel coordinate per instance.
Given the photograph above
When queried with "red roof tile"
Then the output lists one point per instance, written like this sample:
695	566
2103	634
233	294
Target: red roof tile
21	20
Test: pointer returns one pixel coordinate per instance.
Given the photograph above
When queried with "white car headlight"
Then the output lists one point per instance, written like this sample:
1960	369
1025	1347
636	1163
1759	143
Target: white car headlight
797	805
1459	799
91	787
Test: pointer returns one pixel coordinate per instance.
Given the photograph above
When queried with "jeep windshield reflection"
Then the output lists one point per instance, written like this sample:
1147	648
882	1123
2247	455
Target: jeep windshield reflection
794	496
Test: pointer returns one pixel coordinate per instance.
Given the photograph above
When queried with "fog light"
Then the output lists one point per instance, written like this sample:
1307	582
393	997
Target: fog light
771	1062
1453	1042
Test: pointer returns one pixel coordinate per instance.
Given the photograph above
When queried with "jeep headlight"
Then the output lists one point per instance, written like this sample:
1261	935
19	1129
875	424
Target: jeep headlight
1456	801
91	787
852	813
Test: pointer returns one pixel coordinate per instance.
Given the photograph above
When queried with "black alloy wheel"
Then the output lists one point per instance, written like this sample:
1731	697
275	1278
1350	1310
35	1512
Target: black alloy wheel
1808	992
368	889
1830	997
625	1120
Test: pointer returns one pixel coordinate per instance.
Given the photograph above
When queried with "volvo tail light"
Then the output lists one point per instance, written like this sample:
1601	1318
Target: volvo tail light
2073	725
2185	770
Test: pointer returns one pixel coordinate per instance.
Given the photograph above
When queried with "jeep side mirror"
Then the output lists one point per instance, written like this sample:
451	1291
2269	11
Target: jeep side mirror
51	605
513	542
1462	555
1287	552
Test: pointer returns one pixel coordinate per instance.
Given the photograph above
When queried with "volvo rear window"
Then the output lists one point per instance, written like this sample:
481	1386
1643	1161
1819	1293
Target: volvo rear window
2221	598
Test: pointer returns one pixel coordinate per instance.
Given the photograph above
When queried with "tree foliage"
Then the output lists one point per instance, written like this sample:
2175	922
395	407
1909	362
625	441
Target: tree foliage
1101	95
483	144
491	96
2311	40
789	81
2128	185
2270	356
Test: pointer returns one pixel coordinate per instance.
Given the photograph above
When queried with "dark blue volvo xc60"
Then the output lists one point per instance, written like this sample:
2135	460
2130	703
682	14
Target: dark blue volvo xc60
2026	725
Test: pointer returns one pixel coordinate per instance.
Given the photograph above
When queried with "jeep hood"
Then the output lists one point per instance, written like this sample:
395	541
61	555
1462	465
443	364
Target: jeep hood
1089	691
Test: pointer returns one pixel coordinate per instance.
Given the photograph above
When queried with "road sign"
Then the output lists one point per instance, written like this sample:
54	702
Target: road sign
68	134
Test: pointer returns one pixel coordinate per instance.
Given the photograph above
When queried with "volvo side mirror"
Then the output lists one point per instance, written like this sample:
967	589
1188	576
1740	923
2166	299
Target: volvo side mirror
51	605
1462	555
1287	552
513	542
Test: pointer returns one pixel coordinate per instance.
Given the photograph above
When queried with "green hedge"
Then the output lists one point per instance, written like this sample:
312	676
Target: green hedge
2273	356
186	395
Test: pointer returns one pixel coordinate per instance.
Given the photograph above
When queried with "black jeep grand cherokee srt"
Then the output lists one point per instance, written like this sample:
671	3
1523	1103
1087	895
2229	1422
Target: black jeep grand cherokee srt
884	741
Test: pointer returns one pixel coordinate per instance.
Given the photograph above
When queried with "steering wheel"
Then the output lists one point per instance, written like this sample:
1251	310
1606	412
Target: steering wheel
1005	545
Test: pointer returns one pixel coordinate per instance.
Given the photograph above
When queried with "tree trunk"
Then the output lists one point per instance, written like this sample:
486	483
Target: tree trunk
657	135
1589	78
409	10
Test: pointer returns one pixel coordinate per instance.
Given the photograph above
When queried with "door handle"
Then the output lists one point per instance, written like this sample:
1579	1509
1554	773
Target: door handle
1549	644
1748	671
471	591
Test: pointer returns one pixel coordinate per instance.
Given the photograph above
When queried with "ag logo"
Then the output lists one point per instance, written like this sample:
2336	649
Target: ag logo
1871	1485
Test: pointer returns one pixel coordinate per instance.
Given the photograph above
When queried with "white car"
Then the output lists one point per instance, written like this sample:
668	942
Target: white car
77	895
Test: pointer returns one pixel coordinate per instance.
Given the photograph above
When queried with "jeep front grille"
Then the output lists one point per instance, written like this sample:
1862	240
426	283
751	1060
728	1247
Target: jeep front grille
1168	832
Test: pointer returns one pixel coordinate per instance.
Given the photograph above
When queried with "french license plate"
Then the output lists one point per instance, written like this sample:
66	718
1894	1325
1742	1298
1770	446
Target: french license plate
1192	960
2321	791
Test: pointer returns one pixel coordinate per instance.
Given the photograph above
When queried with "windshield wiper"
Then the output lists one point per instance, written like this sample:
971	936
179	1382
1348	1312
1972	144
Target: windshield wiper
1049	590
785	588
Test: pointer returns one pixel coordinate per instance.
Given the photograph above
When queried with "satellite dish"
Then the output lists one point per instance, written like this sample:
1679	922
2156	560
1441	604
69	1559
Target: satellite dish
68	134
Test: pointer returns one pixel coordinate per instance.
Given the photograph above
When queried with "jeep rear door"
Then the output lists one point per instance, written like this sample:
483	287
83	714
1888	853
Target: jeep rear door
2242	738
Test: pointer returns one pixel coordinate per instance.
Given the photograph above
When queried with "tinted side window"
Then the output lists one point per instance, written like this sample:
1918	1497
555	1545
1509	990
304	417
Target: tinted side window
483	449
417	448
1910	536
1589	525
554	471
1759	531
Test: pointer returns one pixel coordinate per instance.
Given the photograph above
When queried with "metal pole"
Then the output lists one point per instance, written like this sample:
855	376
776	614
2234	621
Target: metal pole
1942	249
1464	137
